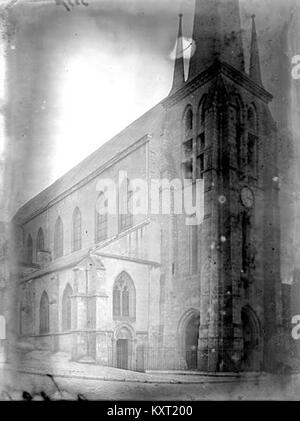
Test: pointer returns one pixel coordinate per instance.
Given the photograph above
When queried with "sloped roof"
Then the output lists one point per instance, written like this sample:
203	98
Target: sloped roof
145	124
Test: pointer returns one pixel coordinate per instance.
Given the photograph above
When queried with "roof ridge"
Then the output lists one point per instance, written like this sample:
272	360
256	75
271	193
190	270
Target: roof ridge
87	160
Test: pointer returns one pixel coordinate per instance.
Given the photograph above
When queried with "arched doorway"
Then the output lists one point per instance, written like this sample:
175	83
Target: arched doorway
124	349
191	341
188	336
251	340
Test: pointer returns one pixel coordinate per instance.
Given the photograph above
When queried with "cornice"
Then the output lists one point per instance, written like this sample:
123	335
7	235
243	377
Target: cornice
72	259
127	151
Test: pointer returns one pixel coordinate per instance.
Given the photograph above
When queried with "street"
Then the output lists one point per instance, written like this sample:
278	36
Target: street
18	386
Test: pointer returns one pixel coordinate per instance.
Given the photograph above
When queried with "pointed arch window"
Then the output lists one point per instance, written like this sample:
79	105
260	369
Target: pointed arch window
235	122
29	249
116	302
200	141
58	238
76	230
101	218
187	145
125	205
125	301
44	313
189	120
251	116
123	297
40	242
67	309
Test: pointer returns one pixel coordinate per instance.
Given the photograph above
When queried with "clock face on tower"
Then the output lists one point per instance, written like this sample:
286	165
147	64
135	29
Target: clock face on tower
247	197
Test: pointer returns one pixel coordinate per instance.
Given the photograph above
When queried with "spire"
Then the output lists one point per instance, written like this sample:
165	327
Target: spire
254	69
178	78
217	34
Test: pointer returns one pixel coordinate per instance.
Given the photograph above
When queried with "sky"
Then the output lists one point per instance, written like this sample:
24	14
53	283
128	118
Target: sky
76	78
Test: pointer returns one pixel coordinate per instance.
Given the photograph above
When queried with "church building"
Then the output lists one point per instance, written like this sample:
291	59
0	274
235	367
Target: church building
154	291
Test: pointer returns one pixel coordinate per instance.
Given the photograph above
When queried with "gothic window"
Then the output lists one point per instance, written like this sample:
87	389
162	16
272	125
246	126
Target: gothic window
187	145
101	218
200	141
189	120
125	205
66	309
125	301
117	302
201	120
187	148
123	297
40	242
252	152
44	313
29	249
58	238
76	230
251	120
235	124
200	156
188	168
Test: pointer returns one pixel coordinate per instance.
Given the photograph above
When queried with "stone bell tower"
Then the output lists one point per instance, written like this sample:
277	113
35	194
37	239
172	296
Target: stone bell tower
233	147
